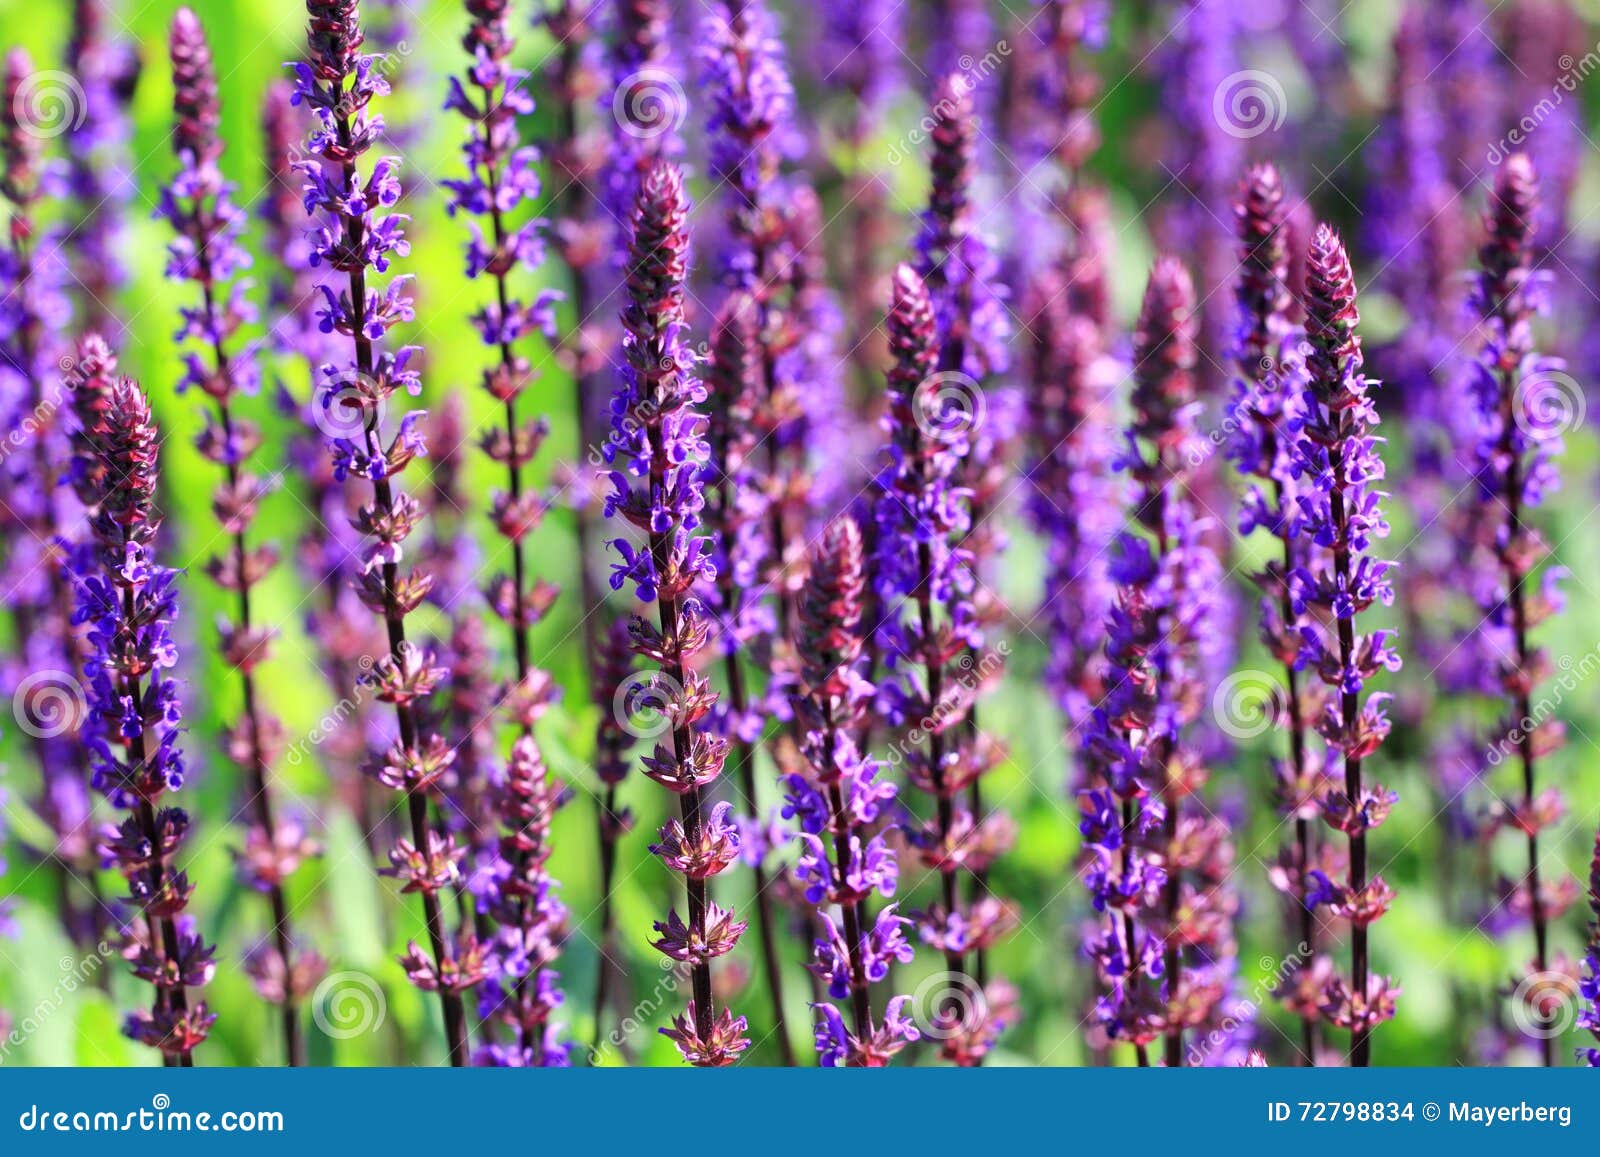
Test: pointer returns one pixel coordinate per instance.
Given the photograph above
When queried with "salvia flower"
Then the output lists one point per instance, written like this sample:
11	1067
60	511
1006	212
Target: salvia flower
493	196
127	600
658	452
1159	870
961	273
755	401
1339	516
1073	497
1517	400
40	517
1268	393
842	807
206	255
924	583
358	235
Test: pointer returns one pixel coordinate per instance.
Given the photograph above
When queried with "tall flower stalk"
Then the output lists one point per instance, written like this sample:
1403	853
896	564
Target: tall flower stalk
924	581
358	236
643	114
499	184
38	514
206	255
1266	405
1159	871
658	450
128	601
1338	579
753	518
961	273
1514	393
842	806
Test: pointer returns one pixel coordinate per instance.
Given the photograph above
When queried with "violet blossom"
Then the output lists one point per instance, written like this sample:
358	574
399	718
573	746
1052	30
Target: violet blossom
1160	871
1268	394
499	185
842	806
1516	398
43	522
207	255
1339	515
128	602
658	451
357	234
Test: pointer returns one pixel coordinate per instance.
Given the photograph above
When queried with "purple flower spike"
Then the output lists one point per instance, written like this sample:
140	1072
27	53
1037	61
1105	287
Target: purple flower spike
924	583
961	274
843	809
658	451
1267	404
1159	872
1339	515
128	601
357	236
41	521
500	181
764	371
1520	404
206	254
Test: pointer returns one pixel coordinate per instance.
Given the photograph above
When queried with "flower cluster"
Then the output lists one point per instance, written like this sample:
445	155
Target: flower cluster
1512	394
206	255
924	583
1159	873
1339	515
1266	406
658	451
357	234
760	381
841	805
128	602
500	182
39	519
1073	499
